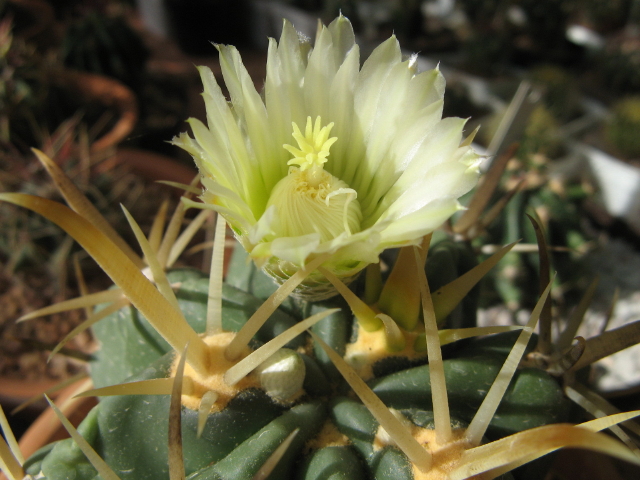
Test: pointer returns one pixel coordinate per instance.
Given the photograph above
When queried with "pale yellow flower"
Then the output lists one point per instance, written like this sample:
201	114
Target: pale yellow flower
330	157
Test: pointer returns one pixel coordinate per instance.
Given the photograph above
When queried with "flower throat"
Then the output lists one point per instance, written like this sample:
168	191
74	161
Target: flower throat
309	199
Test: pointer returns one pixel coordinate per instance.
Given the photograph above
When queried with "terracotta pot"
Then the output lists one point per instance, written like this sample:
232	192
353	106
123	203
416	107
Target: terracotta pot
108	92
17	390
150	165
47	428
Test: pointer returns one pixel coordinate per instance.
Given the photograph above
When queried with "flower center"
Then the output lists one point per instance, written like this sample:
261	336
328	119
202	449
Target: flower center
313	151
310	199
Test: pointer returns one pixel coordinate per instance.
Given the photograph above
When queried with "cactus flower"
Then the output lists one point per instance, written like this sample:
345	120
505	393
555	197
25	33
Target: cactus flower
330	157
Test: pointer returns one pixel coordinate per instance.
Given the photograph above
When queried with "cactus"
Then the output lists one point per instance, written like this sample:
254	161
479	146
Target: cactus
201	379
541	134
105	45
130	432
558	91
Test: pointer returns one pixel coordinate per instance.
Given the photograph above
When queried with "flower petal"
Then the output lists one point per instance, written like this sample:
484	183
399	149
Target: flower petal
372	77
442	142
284	98
411	228
251	110
228	198
295	249
318	76
264	226
381	131
349	150
343	38
442	181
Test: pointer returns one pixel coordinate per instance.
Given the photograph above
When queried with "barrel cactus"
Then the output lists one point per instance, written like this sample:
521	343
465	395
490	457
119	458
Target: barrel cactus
254	377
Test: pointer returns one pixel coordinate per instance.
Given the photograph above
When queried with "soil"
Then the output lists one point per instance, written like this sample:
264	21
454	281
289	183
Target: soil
20	357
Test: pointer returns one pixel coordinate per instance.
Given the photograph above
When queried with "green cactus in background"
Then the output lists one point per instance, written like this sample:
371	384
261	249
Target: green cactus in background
622	128
23	86
521	32
559	93
541	134
105	45
255	378
540	137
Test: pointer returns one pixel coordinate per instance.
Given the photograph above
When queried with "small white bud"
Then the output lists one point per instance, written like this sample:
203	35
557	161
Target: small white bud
282	374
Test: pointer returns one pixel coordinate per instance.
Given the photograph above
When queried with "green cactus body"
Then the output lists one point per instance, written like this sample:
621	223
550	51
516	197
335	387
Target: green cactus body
449	260
343	463
129	343
533	399
130	432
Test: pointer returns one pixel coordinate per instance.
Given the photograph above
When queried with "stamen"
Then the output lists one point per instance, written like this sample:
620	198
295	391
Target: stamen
351	195
303	198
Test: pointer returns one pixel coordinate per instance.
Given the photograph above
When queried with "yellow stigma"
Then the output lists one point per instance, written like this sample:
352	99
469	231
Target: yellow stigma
313	148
